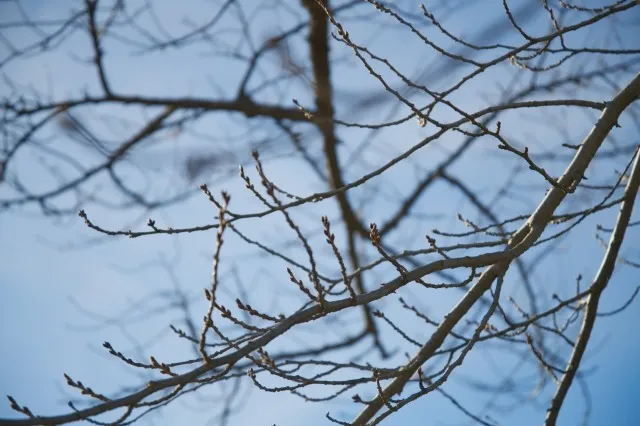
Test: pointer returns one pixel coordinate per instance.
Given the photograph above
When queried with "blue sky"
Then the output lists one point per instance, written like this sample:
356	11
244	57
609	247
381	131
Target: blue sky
50	264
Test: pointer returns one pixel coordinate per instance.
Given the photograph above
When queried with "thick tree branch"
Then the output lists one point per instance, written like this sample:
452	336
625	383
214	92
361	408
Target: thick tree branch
524	238
600	282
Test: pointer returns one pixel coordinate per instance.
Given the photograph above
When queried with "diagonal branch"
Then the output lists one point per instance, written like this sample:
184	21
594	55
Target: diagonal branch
599	284
522	240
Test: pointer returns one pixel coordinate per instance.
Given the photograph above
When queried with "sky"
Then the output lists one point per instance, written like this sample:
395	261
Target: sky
59	280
